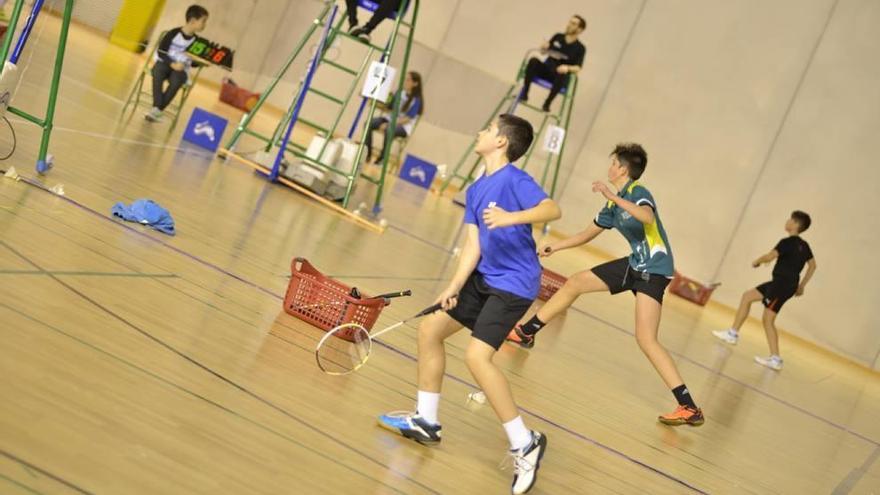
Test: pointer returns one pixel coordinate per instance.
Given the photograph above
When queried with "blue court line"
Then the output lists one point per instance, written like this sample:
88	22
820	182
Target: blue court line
63	273
738	382
192	393
269	292
220	376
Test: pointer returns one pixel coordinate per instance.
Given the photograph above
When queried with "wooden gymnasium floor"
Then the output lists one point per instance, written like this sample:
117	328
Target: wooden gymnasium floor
132	362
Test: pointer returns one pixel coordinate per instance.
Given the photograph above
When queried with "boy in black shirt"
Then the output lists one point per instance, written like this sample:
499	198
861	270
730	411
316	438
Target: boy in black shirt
791	254
565	56
172	62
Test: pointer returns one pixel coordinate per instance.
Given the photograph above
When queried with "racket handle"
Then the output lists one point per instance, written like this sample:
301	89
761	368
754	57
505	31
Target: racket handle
432	309
392	295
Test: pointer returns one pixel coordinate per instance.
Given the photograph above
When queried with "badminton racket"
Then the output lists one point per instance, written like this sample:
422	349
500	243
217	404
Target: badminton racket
347	347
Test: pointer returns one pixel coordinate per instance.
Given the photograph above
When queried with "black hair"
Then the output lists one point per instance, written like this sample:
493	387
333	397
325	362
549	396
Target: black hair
195	12
581	21
803	220
519	134
416	93
633	157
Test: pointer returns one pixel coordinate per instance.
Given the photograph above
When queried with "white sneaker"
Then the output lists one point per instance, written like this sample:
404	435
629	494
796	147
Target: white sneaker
730	335
773	362
154	115
526	463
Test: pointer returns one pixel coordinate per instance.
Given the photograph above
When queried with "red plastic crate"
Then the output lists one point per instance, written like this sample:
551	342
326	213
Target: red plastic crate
550	283
237	96
324	302
691	290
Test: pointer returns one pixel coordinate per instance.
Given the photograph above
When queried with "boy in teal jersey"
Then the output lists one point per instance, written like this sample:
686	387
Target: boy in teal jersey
646	272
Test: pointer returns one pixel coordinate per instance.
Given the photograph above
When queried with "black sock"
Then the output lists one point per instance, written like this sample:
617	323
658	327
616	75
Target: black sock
532	326
683	396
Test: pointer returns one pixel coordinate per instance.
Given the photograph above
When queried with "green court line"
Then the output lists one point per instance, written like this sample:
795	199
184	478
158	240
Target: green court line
88	274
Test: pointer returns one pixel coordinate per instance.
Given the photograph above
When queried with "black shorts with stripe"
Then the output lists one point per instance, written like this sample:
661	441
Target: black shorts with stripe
619	276
489	313
775	293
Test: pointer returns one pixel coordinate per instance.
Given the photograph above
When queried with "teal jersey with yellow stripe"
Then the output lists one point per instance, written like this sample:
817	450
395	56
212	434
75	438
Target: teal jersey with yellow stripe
650	247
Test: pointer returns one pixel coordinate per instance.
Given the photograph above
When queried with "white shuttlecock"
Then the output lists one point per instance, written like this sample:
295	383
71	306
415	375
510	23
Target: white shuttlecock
362	206
11	174
456	252
383	223
58	189
479	397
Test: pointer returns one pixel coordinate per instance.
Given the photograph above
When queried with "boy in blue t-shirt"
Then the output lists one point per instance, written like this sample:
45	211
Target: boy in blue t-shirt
497	278
633	211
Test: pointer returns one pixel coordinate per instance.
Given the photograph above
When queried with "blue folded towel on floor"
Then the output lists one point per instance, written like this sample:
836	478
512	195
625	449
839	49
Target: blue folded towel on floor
146	211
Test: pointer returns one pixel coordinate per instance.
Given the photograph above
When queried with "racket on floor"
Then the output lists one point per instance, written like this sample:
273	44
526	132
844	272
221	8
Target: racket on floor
347	347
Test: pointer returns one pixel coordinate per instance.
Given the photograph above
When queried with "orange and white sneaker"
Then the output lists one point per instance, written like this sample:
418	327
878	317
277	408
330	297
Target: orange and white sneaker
521	339
683	415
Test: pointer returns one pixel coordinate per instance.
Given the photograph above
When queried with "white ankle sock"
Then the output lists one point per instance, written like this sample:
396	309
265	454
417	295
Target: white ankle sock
427	406
519	436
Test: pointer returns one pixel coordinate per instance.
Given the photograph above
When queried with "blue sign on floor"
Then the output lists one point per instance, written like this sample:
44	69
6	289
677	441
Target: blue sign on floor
205	129
418	171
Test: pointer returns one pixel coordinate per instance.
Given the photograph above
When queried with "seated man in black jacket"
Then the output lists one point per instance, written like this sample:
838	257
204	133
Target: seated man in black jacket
565	56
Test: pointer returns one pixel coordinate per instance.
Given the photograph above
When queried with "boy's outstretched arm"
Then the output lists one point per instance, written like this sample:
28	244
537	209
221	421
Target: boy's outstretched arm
546	211
591	232
767	258
642	213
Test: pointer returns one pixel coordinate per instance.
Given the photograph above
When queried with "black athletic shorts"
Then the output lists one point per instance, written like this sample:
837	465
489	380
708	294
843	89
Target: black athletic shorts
619	276
489	313
776	293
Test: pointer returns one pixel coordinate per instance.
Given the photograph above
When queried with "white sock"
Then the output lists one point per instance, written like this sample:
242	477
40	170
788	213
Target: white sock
427	406
519	436
733	331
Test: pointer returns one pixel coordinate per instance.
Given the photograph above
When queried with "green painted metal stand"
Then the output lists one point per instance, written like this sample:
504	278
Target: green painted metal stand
508	102
329	132
44	160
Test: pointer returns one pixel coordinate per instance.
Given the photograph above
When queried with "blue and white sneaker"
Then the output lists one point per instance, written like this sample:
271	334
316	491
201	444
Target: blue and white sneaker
526	463
411	425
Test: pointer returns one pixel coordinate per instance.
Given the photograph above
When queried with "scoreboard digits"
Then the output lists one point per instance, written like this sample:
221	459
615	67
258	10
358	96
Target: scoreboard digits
213	52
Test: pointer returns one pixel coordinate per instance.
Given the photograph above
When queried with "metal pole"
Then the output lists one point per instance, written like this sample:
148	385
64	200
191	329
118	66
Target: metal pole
392	125
246	120
273	176
10	31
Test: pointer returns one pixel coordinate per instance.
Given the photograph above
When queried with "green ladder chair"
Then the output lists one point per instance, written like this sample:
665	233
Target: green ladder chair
510	103
372	52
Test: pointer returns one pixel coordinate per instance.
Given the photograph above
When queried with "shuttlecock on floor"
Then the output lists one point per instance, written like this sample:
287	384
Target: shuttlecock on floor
11	174
58	189
479	397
